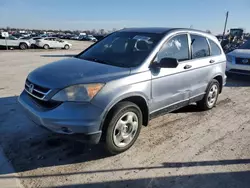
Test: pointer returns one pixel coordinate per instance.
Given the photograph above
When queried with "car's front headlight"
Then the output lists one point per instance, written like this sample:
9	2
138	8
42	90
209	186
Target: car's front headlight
79	93
229	58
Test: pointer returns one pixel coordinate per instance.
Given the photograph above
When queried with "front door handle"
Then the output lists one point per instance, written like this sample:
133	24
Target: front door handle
211	61
187	66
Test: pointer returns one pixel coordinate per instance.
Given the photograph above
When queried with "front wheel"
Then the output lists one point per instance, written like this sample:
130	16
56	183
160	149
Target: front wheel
211	96
66	47
123	128
46	46
23	46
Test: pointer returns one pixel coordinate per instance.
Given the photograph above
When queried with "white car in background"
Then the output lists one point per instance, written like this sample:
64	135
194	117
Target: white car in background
238	61
53	42
13	42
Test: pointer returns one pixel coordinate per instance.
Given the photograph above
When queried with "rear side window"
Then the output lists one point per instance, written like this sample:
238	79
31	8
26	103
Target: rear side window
200	47
176	47
215	49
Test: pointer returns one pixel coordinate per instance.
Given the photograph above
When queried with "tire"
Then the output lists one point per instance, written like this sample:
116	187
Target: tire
23	46
128	131
46	46
212	92
66	47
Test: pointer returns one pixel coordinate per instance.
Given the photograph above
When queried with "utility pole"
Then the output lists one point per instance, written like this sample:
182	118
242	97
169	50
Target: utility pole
225	26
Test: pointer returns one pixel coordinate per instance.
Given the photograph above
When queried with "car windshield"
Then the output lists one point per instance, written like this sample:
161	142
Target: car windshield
246	45
122	49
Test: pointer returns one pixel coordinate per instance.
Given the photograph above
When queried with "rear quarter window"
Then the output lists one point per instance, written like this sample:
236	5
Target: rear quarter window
215	49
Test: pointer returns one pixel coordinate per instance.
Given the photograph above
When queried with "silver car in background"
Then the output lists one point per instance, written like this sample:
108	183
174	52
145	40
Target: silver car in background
238	61
31	40
118	84
52	42
13	42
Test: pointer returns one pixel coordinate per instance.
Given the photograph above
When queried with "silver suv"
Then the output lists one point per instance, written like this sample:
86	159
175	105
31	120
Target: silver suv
115	86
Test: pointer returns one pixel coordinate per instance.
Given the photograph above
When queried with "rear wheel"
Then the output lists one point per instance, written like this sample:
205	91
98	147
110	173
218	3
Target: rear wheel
23	46
46	46
66	47
123	128
211	96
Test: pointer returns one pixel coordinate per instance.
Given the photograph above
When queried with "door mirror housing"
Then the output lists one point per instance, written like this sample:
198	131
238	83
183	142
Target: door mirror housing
166	63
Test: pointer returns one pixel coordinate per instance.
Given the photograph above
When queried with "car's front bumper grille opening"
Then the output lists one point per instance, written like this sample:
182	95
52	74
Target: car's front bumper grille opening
242	61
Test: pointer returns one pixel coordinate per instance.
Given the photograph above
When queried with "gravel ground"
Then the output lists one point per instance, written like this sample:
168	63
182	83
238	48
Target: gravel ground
187	148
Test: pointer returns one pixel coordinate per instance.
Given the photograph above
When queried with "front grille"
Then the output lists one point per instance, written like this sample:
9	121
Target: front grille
37	95
240	71
35	90
242	61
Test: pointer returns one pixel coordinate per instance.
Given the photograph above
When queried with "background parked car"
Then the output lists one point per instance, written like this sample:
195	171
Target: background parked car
32	40
88	38
99	37
52	42
238	60
75	37
13	42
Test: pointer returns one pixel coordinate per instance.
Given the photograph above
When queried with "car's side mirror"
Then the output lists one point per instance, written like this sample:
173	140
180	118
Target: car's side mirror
166	63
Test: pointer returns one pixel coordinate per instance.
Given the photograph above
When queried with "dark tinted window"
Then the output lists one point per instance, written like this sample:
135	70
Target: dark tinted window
200	46
176	47
215	49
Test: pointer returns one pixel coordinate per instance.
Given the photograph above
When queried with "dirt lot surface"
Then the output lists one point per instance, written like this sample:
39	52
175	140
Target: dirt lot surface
187	148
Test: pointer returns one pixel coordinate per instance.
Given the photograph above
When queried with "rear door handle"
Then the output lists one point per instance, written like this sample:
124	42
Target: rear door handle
187	66
211	61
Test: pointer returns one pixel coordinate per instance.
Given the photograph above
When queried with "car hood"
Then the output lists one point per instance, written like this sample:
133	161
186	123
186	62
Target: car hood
243	53
72	71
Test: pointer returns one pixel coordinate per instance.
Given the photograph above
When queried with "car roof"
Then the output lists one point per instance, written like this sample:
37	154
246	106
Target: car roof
158	30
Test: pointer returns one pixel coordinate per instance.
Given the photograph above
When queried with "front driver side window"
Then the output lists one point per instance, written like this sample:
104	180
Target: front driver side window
176	47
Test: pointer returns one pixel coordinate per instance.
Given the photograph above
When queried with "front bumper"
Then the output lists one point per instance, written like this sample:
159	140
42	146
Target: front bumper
232	67
69	118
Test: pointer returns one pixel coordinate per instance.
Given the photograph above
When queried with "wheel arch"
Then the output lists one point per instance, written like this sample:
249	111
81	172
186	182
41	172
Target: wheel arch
219	78
138	99
23	43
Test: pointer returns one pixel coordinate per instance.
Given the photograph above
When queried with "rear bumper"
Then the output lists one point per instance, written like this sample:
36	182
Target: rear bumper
69	118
